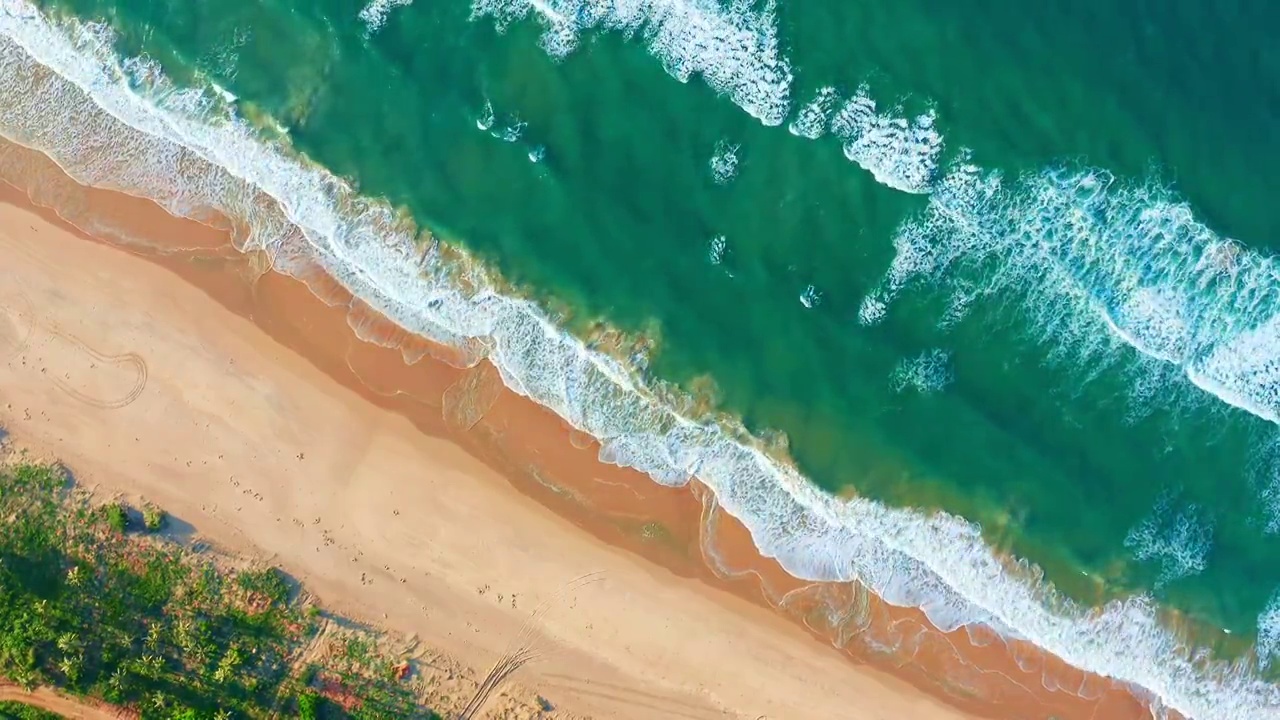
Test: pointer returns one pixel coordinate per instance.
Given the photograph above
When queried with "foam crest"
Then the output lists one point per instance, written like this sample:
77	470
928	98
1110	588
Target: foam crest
1101	266
898	152
187	151
811	122
374	15
734	47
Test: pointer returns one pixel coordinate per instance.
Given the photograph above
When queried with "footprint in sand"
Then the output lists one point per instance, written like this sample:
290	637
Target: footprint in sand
94	378
15	323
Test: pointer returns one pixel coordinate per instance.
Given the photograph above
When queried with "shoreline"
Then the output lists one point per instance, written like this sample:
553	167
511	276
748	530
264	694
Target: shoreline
673	541
935	562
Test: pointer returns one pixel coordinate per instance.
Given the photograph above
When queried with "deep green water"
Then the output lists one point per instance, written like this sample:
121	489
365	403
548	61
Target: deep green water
1040	434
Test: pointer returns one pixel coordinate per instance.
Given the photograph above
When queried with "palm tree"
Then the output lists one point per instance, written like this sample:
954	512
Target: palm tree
153	636
68	642
70	668
118	677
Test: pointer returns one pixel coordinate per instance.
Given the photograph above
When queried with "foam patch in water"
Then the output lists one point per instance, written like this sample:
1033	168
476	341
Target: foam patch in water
1177	540
724	164
926	373
485	120
810	297
716	249
374	15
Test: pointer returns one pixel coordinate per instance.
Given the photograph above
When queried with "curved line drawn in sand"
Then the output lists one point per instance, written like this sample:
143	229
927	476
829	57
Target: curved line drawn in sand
12	306
130	359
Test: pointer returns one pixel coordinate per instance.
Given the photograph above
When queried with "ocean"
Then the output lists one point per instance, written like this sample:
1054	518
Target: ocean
972	302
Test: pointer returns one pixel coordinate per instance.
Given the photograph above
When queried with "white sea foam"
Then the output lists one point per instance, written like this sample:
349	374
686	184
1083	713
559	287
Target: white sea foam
962	298
872	310
374	15
724	163
733	47
1269	632
158	138
900	153
811	122
1106	266
810	297
485	120
512	132
716	249
1177	539
1265	478
926	373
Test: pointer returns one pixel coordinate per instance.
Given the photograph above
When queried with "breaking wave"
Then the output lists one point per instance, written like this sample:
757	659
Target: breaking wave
812	120
374	15
1103	266
735	48
122	125
898	152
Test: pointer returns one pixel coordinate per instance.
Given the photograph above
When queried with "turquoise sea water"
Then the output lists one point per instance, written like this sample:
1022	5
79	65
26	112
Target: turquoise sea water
1008	261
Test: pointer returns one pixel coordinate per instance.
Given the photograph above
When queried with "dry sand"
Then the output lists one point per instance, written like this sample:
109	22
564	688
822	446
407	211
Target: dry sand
430	500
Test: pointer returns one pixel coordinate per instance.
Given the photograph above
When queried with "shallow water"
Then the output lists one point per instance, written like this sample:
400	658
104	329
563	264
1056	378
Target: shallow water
1075	357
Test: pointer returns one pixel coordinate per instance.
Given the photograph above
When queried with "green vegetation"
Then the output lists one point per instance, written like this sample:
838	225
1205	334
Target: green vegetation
20	711
116	516
308	706
153	518
148	625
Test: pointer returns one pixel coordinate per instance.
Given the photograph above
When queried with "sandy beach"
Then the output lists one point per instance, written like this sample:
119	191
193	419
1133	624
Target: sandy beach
429	500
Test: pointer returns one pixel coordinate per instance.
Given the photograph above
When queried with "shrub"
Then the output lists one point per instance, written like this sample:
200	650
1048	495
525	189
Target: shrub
152	626
153	518
117	517
19	711
269	583
308	706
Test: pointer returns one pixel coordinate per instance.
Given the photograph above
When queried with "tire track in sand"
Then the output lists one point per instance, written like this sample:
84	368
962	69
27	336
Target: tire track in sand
129	360
19	322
